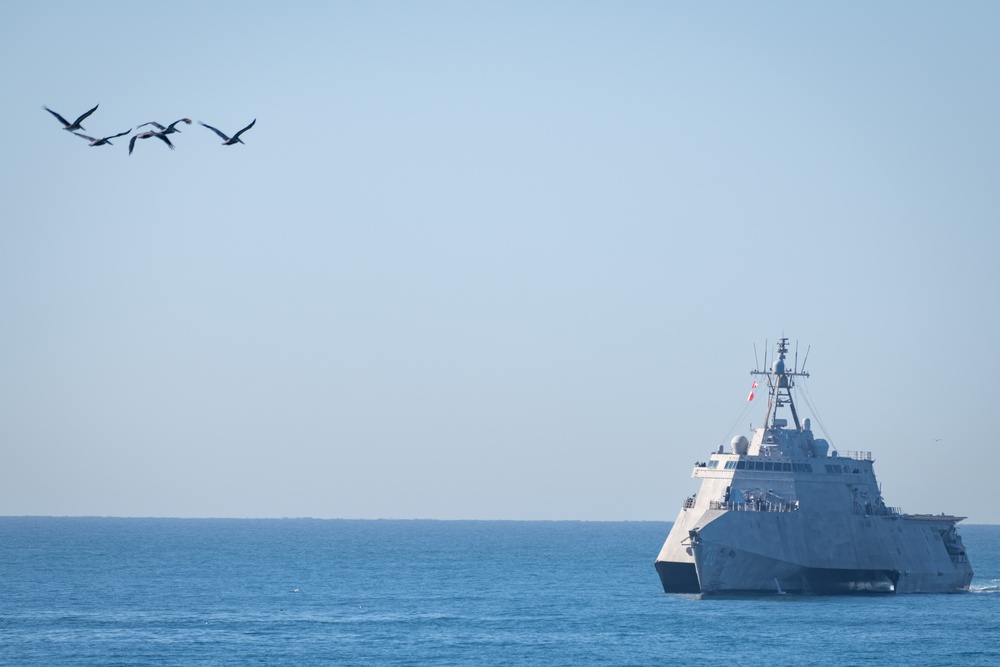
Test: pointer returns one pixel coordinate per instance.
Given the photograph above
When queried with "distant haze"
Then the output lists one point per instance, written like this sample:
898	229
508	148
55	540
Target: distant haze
490	260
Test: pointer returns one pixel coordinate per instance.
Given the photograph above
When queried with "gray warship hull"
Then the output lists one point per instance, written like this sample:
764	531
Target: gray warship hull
780	514
760	552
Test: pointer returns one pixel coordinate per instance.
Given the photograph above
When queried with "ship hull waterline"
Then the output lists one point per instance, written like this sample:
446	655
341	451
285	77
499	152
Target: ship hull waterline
707	565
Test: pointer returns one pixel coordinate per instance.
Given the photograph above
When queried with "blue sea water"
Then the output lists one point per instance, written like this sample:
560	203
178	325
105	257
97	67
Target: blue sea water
104	591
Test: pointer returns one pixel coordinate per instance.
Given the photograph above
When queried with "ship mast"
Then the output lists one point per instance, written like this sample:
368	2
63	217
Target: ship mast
780	382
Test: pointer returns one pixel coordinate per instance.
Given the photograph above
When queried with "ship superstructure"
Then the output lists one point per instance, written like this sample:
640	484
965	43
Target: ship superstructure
783	513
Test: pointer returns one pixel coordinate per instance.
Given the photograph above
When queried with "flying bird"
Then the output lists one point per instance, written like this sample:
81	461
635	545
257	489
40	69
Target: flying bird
102	140
169	129
229	141
75	125
146	135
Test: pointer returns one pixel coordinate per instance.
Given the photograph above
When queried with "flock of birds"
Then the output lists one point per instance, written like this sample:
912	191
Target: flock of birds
160	132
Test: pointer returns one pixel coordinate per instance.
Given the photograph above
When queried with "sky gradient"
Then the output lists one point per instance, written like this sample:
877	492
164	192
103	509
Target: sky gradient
490	260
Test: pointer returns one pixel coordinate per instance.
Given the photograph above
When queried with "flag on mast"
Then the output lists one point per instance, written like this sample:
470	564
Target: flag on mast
752	387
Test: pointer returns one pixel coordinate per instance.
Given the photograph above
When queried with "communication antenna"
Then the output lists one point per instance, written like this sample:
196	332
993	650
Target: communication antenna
755	366
780	381
806	359
796	366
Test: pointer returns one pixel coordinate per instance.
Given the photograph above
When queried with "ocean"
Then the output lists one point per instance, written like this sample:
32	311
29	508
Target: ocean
107	591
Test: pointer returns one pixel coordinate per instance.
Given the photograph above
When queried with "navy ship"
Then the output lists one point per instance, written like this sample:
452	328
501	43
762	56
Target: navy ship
784	513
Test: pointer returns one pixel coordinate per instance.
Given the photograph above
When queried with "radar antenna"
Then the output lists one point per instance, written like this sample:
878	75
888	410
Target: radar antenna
780	382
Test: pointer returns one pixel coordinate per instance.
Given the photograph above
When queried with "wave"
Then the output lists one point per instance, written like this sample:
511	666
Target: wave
992	586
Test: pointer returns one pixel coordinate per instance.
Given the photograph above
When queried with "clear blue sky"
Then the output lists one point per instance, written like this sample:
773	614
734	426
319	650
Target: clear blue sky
490	260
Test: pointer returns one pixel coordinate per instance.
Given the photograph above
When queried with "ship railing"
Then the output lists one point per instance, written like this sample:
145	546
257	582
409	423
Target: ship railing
857	456
753	506
876	510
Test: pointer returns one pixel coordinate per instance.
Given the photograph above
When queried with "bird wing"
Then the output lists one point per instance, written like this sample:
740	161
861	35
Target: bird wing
80	119
113	136
237	135
131	143
91	139
162	137
153	123
224	137
58	117
182	120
